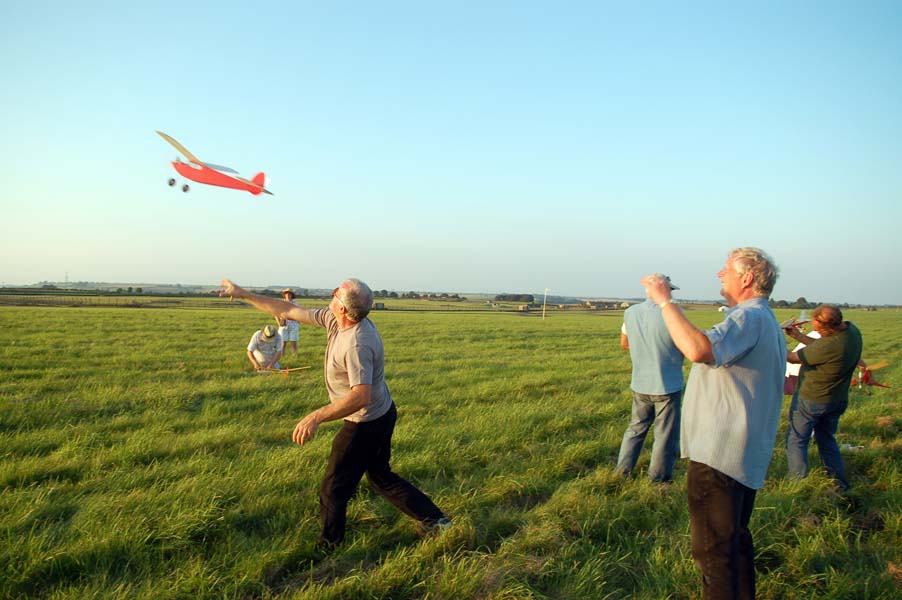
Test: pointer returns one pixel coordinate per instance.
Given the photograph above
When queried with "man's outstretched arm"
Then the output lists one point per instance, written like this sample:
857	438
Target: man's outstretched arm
281	309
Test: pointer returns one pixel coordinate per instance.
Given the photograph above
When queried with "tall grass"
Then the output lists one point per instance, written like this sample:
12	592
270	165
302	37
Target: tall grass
140	458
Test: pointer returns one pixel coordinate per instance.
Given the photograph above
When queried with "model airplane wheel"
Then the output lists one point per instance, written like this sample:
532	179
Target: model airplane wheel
171	182
185	188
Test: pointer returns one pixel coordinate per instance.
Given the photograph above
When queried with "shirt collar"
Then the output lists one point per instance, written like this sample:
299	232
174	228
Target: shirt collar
749	303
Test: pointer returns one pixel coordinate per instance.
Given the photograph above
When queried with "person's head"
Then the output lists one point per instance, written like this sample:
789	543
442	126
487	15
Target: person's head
355	297
748	273
666	278
268	332
827	319
288	294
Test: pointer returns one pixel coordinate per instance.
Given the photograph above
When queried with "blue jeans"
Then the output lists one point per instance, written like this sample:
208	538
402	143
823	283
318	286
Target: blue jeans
664	411
823	419
719	512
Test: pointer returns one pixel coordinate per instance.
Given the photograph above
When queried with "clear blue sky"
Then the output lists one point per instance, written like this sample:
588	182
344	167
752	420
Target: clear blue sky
456	146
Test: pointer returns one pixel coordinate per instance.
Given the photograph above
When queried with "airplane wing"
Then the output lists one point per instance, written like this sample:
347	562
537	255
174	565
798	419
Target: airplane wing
180	148
220	168
879	365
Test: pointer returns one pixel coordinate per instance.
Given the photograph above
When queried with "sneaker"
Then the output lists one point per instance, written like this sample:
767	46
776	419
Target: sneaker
432	527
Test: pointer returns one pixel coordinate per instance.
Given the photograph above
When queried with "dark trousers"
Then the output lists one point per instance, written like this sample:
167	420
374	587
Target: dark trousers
719	511
360	448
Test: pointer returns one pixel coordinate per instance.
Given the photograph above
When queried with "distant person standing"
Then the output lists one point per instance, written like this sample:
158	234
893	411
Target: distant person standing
288	328
265	348
359	396
822	397
731	412
657	387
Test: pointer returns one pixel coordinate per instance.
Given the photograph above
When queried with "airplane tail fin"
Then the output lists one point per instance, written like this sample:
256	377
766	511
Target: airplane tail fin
262	180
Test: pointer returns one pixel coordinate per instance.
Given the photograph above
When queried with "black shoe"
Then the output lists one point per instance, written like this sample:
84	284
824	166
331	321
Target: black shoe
324	547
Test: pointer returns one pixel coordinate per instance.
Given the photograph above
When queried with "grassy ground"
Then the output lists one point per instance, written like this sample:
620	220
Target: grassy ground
139	458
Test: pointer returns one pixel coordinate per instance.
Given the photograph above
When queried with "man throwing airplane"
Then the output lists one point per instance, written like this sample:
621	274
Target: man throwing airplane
358	394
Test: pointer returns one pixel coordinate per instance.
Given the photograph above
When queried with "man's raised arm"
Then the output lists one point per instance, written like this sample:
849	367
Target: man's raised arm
281	309
691	341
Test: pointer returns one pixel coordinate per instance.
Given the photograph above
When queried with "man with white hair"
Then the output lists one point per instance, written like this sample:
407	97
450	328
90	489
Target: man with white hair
358	394
730	416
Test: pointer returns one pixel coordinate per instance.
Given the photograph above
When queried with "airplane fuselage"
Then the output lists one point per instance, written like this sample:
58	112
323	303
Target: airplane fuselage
204	174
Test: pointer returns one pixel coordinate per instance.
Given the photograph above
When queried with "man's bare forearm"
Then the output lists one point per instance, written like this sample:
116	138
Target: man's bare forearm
691	340
281	309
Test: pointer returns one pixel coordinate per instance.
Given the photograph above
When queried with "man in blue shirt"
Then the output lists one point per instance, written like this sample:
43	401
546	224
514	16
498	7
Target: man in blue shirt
730	416
657	385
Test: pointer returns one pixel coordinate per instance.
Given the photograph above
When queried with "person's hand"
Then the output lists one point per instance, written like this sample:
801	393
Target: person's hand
230	289
656	288
793	331
305	429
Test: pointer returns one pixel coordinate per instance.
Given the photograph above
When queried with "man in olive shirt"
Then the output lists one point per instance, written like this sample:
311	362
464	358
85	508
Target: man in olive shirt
828	365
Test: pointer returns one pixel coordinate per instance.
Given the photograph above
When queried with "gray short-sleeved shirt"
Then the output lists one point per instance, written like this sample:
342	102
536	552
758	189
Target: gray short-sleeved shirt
354	356
732	405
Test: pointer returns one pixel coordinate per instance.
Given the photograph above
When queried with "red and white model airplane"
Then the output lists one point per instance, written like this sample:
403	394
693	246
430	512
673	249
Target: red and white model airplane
793	322
866	378
201	172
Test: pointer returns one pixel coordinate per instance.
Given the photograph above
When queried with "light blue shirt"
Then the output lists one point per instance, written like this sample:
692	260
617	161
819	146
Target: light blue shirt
657	362
731	407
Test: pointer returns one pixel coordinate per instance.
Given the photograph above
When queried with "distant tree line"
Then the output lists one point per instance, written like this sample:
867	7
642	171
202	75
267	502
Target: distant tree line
799	303
524	298
443	296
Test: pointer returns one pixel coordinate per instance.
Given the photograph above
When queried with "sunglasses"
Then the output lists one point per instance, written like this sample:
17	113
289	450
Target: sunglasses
336	296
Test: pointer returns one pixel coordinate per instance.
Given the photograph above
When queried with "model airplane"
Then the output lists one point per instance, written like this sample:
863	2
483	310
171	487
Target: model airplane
793	322
201	172
866	378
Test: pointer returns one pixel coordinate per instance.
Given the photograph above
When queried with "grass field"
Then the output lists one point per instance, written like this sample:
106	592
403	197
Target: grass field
139	458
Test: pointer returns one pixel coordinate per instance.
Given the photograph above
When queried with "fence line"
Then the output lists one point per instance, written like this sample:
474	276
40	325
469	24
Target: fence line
112	301
74	301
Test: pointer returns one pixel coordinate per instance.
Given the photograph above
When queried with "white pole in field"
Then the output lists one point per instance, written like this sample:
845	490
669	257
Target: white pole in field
544	300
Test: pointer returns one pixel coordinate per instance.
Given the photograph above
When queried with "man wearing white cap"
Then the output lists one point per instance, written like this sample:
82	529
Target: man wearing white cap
265	348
